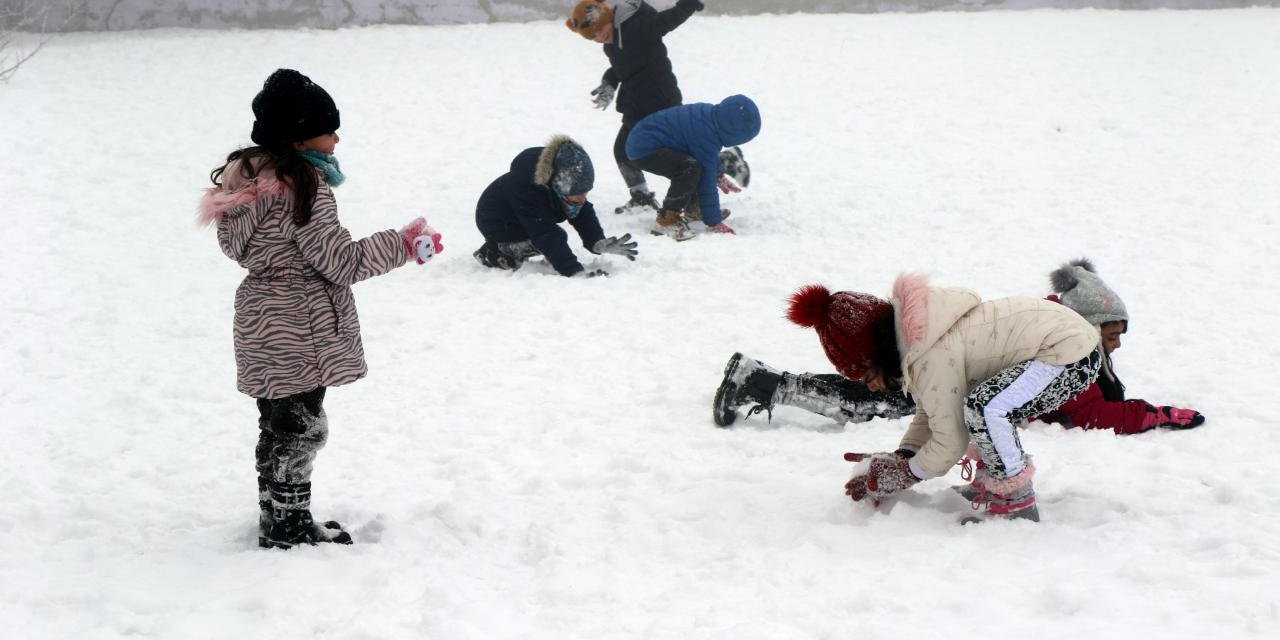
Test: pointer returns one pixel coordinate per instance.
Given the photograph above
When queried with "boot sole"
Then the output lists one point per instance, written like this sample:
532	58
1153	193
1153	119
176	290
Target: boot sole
722	416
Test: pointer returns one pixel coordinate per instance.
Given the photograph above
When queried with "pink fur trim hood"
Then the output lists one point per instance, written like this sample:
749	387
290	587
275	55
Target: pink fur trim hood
235	191
911	293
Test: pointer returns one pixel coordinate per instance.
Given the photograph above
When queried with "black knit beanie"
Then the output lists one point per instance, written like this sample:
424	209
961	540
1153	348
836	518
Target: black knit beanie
291	108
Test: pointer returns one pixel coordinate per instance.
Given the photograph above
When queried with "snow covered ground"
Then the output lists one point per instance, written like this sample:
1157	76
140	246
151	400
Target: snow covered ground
534	456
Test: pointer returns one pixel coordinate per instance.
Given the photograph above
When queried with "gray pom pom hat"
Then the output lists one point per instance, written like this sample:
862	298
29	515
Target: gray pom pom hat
1079	288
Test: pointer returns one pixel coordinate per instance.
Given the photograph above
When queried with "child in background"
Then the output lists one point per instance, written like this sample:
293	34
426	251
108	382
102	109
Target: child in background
520	212
683	144
1102	405
639	70
296	332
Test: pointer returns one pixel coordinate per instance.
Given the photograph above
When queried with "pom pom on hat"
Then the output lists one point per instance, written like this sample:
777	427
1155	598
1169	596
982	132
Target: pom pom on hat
845	322
588	17
1080	289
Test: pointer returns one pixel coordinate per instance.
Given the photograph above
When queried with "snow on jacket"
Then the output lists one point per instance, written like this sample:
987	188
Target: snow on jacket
520	205
295	325
951	341
699	130
638	58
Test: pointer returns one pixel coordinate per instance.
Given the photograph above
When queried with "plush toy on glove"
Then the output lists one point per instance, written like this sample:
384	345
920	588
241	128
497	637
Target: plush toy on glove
420	240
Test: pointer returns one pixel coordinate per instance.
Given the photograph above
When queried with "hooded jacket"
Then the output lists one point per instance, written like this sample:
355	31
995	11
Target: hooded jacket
699	130
521	205
951	340
638	58
295	324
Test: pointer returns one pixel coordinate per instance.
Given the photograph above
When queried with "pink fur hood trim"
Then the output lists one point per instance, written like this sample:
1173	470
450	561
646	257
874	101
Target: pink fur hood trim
235	192
911	292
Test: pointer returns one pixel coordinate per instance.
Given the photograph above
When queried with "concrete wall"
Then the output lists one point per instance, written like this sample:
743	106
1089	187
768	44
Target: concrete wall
112	15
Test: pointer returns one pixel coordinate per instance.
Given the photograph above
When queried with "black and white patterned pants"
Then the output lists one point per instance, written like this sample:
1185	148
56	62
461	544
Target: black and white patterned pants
291	431
993	409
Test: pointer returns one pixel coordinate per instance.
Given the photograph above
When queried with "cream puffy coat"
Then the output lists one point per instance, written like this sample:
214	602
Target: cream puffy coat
951	341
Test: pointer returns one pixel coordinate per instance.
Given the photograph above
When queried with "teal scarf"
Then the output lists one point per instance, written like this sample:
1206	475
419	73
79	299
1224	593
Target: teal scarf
326	163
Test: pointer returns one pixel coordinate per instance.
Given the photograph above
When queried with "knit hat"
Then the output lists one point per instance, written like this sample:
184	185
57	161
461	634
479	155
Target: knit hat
291	108
588	17
564	166
845	322
737	120
1080	289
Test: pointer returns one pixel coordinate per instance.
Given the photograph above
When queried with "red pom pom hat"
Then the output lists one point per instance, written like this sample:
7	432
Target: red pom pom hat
845	323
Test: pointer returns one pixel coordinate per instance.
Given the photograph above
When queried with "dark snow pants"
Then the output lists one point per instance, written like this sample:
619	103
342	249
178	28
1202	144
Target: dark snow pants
842	399
681	169
994	408
631	173
291	431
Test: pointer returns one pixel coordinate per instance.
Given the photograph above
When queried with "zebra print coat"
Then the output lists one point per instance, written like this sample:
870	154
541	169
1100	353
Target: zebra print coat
295	318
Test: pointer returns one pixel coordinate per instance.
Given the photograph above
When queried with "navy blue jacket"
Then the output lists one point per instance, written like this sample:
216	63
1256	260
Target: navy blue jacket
641	64
513	208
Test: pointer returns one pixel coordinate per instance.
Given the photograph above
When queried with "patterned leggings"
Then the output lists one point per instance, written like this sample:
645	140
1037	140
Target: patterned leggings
1027	389
291	431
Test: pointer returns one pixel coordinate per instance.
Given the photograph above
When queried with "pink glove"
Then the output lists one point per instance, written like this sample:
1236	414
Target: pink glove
420	240
726	185
1171	418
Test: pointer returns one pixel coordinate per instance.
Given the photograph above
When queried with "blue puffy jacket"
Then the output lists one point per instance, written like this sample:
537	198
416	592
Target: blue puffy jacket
699	130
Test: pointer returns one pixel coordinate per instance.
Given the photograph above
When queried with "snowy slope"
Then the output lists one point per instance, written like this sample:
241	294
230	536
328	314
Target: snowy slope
533	456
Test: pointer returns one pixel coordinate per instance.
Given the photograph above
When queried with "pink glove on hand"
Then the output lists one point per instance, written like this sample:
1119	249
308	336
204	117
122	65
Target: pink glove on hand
1171	418
420	240
889	473
726	185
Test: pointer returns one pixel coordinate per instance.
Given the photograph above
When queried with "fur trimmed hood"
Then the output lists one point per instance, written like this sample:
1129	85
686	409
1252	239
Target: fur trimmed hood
235	191
564	164
925	313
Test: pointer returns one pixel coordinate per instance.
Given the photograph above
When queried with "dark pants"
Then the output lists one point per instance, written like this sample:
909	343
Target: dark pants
631	173
683	172
291	431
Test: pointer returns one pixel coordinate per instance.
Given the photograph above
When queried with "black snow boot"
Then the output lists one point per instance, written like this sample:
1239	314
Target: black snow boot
264	510
291	522
745	380
640	199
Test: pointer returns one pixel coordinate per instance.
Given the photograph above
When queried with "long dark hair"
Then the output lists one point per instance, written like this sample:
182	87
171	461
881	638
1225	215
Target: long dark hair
887	357
290	167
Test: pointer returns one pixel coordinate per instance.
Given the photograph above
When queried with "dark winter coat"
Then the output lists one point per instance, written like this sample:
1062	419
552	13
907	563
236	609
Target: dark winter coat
296	326
699	130
520	205
1094	410
638	60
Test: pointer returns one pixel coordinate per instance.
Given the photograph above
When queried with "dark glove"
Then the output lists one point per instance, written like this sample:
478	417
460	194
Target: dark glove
1172	418
888	476
591	273
602	95
623	246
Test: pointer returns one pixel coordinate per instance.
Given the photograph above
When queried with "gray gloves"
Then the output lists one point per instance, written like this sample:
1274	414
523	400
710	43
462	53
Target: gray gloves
602	95
623	246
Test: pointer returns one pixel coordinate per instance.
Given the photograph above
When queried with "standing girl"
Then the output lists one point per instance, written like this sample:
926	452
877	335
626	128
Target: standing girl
296	332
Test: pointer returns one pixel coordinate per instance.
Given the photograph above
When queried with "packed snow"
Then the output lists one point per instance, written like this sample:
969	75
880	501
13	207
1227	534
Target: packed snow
533	456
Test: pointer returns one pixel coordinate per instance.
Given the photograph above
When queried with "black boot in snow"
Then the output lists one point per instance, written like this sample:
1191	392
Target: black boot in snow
641	199
745	380
291	522
264	510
